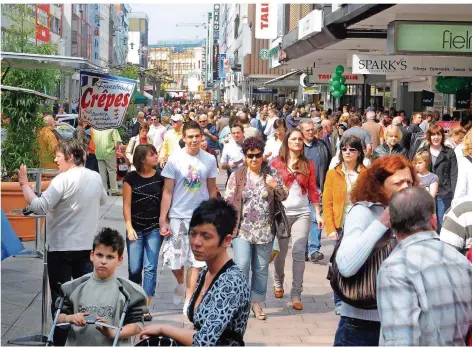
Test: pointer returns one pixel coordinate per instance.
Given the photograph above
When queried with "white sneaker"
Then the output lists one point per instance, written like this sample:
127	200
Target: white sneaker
184	311
179	295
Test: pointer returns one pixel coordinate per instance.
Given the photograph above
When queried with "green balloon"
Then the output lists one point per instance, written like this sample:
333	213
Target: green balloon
336	85
336	77
337	94
340	69
342	79
331	89
330	82
343	89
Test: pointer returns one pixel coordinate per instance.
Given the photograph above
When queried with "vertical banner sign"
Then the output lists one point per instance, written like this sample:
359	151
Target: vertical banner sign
216	22
216	54
427	98
266	21
42	23
104	99
221	68
462	100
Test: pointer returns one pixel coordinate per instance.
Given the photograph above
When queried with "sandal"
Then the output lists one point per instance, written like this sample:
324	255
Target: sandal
278	293
147	317
260	315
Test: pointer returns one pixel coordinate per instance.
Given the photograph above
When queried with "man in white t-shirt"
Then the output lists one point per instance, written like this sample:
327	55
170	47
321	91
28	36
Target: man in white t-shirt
156	132
190	178
269	129
232	157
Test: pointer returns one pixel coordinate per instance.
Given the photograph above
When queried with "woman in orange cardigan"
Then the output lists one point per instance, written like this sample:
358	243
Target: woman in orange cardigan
338	185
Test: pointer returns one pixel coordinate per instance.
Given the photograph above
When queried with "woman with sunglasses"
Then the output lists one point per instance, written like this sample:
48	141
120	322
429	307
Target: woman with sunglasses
298	174
251	190
337	190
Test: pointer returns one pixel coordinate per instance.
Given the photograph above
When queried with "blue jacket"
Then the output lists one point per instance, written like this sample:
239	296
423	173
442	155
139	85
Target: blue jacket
318	152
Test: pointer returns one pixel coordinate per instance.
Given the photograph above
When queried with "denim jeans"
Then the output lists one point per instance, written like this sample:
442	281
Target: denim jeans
442	205
256	257
144	254
350	333
314	238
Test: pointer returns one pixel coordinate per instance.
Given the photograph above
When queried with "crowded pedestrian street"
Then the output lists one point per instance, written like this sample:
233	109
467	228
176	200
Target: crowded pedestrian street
263	174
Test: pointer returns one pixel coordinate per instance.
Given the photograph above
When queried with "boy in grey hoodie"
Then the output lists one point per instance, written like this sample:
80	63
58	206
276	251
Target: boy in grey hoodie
98	294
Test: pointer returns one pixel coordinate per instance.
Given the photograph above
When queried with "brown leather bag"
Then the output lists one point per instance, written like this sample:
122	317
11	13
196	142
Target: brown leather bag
360	290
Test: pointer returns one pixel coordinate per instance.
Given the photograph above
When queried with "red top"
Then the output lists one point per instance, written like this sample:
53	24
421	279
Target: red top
305	182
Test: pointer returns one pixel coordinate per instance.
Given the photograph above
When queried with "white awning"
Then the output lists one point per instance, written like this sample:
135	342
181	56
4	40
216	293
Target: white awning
27	91
291	73
39	61
147	95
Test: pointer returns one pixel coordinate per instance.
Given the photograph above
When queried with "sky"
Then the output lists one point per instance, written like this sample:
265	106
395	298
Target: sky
164	17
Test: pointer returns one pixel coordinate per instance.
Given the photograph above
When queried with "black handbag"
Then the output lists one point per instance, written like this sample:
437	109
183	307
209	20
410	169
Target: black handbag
280	225
360	290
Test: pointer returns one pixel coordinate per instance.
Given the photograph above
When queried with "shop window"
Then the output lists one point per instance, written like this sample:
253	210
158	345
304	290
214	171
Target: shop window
42	18
55	25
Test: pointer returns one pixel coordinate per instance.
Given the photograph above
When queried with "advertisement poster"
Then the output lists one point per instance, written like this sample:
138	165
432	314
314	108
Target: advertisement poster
463	100
427	98
104	99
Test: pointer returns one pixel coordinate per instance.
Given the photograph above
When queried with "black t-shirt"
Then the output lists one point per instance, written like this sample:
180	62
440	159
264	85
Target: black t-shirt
145	200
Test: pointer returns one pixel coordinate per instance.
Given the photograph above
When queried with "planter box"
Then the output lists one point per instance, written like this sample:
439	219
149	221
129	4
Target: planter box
12	199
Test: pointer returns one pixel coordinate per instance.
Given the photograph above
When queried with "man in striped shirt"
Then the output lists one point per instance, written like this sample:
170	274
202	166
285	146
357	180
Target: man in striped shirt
107	142
457	226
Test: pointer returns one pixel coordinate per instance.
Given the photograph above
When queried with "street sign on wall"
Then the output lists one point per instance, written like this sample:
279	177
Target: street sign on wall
266	20
445	38
407	65
104	99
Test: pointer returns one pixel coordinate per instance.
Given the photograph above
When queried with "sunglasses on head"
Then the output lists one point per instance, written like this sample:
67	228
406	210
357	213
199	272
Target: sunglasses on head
254	155
352	150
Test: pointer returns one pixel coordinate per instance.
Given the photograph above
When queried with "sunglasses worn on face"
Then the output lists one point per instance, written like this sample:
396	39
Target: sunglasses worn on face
352	150
254	155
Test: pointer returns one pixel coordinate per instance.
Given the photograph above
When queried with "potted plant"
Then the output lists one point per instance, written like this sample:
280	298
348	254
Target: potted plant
21	114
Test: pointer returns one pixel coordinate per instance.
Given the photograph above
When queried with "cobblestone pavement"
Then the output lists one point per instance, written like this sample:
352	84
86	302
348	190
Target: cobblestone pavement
315	325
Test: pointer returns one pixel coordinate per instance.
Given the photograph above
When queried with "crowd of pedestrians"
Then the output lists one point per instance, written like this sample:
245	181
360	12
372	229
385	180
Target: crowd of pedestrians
393	194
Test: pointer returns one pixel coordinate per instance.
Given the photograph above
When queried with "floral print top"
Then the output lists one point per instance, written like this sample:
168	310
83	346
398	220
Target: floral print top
255	225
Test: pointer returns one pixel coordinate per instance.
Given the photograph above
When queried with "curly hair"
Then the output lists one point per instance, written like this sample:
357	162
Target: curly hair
370	183
252	143
467	143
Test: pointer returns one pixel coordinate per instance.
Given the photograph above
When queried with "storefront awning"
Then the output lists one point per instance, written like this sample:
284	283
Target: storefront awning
27	91
39	61
139	98
280	78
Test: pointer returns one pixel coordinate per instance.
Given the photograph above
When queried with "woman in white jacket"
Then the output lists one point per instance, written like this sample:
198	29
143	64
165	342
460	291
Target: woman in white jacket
464	164
141	139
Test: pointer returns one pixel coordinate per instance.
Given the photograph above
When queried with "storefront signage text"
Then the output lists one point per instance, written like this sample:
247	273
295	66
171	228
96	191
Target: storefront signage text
403	65
266	21
446	38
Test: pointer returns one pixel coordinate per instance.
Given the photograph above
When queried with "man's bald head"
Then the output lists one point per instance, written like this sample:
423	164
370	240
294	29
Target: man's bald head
49	121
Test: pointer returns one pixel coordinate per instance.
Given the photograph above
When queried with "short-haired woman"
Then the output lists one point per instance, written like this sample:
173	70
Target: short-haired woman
443	164
337	190
365	224
456	135
392	137
252	190
71	204
142	193
298	174
219	307
464	178
141	139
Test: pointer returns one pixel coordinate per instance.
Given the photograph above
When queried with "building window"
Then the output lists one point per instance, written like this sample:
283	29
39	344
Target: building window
55	25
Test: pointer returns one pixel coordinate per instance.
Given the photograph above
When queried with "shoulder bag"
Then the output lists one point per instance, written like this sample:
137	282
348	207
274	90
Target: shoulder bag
360	290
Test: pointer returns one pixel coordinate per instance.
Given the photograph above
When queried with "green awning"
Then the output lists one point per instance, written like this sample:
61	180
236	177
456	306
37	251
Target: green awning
138	98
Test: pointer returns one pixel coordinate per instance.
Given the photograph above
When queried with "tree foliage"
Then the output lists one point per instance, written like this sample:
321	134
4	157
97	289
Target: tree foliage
21	111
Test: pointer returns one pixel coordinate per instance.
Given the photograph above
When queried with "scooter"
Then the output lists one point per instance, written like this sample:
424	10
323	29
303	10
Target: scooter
90	319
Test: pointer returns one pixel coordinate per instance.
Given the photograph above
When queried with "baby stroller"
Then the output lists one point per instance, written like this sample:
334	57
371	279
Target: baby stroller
158	341
91	319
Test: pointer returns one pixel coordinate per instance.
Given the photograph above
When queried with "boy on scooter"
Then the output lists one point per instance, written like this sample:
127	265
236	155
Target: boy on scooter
97	297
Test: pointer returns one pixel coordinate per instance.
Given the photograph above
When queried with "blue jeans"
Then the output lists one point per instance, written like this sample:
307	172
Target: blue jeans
255	256
147	246
314	238
442	205
350	333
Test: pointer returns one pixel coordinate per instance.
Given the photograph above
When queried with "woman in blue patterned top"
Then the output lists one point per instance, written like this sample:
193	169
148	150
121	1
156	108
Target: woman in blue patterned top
219	307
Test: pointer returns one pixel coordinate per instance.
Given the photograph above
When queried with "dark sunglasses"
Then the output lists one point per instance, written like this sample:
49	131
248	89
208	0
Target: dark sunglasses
254	155
352	150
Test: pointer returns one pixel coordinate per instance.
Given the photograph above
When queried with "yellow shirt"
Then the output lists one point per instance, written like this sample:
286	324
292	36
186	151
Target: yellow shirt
47	142
170	144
